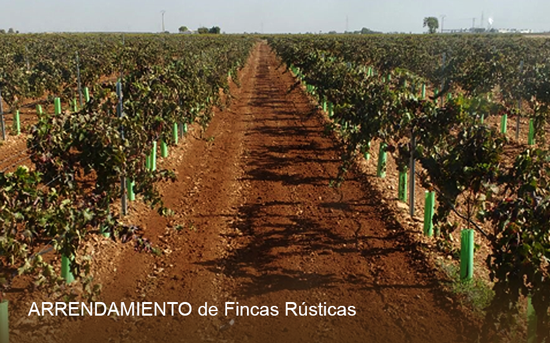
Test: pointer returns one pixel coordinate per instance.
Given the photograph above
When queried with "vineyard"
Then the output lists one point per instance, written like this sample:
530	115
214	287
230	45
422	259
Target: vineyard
430	102
81	160
287	168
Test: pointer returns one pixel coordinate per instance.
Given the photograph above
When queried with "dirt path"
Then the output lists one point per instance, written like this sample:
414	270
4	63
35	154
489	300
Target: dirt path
261	226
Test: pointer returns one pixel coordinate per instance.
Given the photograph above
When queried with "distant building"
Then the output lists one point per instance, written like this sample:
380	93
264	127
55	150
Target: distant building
515	31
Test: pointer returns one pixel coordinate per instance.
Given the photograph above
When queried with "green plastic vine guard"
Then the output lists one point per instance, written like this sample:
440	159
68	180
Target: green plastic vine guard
423	95
402	189
57	106
154	156
531	138
4	322
504	124
369	72
467	254
130	188
531	321
324	105
330	109
104	232
87	94
367	153
175	133
148	161
482	119
382	160
66	269
163	149
39	110
429	208
17	123
75	106
185	128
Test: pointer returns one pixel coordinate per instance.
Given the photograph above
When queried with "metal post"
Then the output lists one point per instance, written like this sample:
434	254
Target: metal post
78	80
120	113
411	176
519	104
27	58
2	117
442	80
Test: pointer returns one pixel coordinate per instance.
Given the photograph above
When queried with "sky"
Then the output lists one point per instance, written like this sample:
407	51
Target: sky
282	16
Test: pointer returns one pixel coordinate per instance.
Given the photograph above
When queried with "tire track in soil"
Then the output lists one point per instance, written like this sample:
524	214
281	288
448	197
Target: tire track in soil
269	230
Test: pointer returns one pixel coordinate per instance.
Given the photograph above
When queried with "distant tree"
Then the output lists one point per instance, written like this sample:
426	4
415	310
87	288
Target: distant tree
432	23
332	32
183	29
2	32
365	31
215	30
202	30
11	31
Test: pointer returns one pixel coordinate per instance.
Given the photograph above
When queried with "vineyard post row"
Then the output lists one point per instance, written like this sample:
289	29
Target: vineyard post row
16	114
194	77
467	241
467	235
468	244
127	184
127	192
